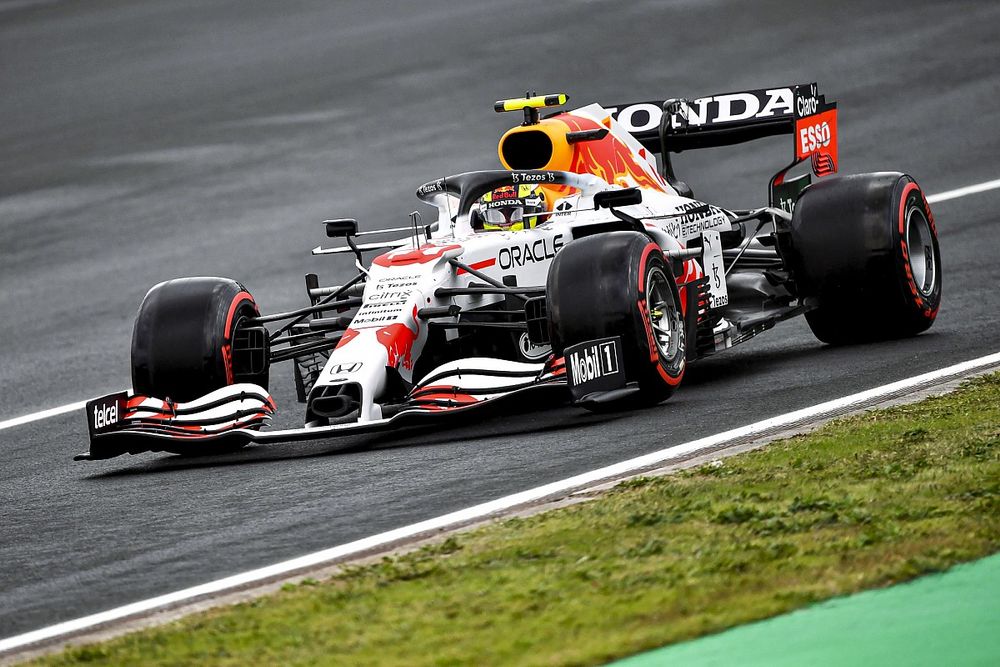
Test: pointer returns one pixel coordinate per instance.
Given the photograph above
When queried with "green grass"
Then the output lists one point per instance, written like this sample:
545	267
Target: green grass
866	501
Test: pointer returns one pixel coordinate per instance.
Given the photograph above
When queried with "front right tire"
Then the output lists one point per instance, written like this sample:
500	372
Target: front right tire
619	284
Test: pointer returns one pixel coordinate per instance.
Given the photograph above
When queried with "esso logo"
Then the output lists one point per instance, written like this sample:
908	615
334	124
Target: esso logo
814	137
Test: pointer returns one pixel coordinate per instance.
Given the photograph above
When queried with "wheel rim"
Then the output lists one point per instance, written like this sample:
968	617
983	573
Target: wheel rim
664	317
920	244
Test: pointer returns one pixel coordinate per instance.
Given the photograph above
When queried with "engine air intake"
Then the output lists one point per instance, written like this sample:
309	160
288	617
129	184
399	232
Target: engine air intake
531	149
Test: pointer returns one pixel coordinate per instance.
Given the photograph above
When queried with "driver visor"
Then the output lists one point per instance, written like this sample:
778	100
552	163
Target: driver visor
507	215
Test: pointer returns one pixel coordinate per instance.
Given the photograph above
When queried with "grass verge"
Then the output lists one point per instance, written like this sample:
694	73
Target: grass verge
863	502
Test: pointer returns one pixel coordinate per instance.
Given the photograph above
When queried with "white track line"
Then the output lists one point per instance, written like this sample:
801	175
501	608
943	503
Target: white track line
44	414
52	412
963	192
478	512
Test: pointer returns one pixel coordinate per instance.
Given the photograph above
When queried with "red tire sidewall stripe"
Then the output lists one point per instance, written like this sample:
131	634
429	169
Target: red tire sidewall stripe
654	351
922	303
910	187
227	343
646	252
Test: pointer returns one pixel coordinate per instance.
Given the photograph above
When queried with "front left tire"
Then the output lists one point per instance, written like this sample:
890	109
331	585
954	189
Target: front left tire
182	342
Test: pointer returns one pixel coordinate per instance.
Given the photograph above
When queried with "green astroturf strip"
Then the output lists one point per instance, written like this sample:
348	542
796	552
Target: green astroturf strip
944	619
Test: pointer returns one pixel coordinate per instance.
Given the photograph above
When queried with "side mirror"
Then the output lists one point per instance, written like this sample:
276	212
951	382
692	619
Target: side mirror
616	198
341	227
586	135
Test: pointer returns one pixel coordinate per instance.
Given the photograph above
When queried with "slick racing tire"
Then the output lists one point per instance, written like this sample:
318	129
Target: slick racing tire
864	249
619	284
182	343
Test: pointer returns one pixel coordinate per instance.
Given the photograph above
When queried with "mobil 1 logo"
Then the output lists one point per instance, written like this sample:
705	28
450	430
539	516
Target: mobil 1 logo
104	412
595	366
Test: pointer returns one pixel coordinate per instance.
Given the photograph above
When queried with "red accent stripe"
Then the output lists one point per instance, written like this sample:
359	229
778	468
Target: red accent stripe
349	335
479	266
692	272
425	253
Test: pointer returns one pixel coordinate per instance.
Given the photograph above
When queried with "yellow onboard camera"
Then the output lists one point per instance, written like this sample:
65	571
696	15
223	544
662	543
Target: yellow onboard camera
530	103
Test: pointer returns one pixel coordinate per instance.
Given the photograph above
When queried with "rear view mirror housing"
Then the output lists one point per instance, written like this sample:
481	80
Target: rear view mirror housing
341	227
616	198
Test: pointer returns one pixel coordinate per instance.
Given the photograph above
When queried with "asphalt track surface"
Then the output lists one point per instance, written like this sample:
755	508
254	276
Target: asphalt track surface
146	141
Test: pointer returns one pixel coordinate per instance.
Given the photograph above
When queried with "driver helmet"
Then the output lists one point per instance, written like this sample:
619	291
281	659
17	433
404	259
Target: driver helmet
511	208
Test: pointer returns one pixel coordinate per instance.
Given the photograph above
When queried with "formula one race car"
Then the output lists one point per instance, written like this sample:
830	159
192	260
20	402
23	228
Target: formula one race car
584	266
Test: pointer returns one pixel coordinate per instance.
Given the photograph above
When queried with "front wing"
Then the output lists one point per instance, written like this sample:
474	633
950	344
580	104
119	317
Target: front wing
232	417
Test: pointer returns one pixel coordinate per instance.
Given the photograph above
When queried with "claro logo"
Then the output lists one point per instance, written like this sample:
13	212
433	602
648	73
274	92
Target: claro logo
530	253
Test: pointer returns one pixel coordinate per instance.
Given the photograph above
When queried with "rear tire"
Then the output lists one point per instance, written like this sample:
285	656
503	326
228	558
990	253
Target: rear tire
619	284
865	248
183	337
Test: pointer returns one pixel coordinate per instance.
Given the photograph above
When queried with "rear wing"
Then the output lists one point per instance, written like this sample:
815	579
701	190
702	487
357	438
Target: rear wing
676	125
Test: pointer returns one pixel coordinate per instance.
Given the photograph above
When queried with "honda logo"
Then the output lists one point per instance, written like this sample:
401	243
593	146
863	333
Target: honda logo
345	368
